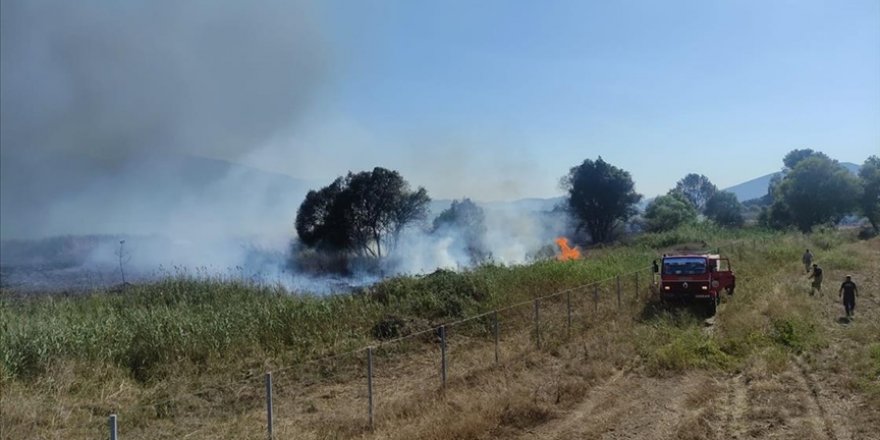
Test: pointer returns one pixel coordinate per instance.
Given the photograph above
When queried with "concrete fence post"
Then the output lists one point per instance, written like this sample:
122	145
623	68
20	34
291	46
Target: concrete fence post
111	423
269	404
538	323
370	385
443	356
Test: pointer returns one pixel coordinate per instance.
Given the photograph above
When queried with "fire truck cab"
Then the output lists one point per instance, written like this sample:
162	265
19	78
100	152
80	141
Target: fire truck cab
693	277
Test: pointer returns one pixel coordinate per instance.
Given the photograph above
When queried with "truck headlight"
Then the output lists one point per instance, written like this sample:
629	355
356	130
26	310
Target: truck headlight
705	287
666	287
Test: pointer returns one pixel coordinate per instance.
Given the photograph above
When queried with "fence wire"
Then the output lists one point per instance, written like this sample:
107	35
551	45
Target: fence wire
406	375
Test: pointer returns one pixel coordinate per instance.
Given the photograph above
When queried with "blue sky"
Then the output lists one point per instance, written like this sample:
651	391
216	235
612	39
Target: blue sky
496	100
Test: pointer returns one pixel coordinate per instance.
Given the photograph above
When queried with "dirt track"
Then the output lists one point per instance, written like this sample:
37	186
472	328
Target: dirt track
791	405
808	400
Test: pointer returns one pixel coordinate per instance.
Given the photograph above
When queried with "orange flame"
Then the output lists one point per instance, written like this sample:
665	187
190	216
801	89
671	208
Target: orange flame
567	252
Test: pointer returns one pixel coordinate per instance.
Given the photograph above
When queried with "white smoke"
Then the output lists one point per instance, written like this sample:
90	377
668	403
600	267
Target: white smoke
513	236
112	118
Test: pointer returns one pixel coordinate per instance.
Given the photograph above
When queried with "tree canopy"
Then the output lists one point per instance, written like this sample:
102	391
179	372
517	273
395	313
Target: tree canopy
462	214
817	190
724	209
869	203
467	222
795	156
668	212
361	213
696	189
600	195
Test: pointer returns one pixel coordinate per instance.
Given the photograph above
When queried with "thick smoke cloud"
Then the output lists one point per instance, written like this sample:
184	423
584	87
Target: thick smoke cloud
104	106
119	78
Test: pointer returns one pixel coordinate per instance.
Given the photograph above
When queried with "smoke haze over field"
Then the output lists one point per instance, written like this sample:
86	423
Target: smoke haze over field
111	111
107	107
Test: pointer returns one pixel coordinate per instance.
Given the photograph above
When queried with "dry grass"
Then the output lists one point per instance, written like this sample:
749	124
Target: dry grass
526	389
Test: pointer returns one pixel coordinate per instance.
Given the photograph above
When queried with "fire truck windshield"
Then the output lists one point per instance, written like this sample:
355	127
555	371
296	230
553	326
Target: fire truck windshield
684	266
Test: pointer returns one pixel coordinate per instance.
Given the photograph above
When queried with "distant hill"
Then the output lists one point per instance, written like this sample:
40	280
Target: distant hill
757	187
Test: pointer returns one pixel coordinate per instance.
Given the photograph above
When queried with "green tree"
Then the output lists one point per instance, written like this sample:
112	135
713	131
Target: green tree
795	156
669	212
321	221
462	214
362	213
776	216
817	190
467	223
696	189
870	200
724	209
600	196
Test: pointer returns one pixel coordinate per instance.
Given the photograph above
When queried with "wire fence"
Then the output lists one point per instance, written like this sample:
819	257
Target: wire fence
358	389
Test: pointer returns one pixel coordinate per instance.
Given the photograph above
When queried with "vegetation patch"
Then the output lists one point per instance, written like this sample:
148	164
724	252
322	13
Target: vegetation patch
796	334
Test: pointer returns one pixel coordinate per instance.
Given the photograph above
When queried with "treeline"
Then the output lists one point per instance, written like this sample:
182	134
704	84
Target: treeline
363	214
812	190
815	189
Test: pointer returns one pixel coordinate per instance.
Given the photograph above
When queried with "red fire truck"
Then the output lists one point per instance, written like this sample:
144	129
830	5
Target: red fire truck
692	277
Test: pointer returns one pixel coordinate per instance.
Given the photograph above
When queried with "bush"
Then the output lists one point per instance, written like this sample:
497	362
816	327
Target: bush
796	334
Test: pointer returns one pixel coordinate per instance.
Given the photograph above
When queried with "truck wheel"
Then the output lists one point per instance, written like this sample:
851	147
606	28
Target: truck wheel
713	305
730	290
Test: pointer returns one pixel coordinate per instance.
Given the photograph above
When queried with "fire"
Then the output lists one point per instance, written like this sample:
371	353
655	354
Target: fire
567	252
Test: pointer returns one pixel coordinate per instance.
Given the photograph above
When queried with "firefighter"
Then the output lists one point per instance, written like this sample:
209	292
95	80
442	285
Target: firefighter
816	276
848	290
807	260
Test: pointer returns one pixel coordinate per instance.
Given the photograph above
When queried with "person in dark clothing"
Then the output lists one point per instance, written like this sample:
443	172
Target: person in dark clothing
807	259
816	276
656	269
848	290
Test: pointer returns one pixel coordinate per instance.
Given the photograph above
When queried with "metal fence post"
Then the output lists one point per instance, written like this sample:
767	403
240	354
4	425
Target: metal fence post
269	403
370	384
443	356
538	323
618	291
495	330
568	312
112	425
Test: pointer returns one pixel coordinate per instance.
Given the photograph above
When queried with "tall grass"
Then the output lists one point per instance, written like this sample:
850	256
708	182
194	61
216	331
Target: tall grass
177	319
150	328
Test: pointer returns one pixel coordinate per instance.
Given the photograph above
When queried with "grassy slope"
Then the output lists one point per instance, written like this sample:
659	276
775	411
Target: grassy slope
86	357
